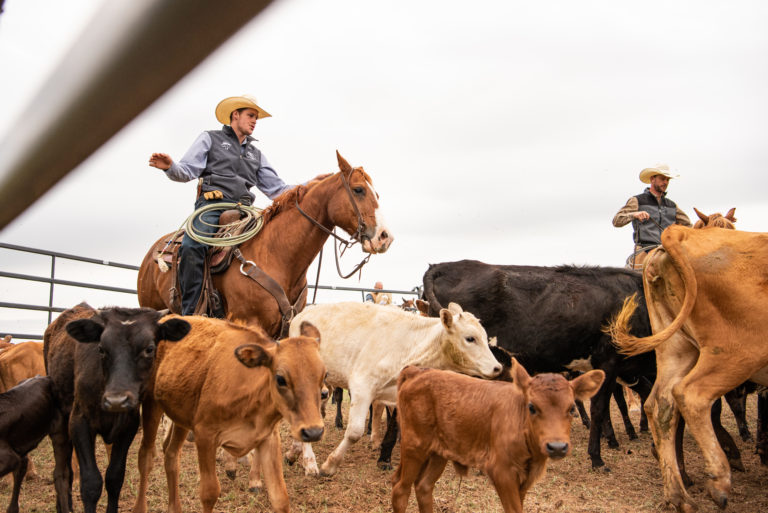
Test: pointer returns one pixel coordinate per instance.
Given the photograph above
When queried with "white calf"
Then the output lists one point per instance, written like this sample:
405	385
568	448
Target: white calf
366	345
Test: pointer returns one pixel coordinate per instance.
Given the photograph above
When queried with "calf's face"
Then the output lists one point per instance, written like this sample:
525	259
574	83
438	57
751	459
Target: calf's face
464	342
297	379
126	341
549	406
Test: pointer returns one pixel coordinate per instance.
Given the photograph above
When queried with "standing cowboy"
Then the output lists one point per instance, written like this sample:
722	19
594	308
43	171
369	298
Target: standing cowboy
650	213
381	298
228	166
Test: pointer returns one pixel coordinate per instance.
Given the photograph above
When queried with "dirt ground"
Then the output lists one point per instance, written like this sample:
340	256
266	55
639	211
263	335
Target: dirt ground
632	485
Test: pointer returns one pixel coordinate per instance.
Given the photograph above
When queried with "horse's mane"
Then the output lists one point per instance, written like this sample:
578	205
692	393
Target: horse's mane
286	201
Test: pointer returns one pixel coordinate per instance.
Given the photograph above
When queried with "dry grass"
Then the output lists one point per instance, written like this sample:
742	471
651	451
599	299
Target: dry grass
633	484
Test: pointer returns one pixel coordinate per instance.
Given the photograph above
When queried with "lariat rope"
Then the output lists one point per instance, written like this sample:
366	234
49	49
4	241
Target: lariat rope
252	215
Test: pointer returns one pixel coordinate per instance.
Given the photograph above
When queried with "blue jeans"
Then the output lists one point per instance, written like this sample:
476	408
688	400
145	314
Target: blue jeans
192	257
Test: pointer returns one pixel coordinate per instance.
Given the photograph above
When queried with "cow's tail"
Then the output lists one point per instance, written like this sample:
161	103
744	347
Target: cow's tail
619	328
429	289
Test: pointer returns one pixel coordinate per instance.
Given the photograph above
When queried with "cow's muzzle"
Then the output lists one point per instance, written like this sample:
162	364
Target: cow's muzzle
557	450
312	434
119	402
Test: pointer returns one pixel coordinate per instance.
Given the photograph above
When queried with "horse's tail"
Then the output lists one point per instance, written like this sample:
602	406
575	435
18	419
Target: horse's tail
619	328
429	289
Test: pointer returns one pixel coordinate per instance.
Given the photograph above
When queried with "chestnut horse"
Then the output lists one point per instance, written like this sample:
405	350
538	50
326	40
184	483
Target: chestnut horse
285	247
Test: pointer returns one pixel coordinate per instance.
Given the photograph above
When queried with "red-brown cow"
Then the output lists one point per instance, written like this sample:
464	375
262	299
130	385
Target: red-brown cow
524	424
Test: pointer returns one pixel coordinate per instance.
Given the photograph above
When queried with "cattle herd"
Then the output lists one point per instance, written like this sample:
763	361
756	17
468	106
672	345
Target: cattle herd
487	374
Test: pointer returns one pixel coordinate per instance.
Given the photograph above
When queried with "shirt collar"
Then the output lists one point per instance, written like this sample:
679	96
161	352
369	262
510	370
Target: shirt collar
231	133
648	191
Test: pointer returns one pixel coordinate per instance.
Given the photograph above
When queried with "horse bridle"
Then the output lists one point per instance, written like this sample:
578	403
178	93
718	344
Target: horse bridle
287	309
359	235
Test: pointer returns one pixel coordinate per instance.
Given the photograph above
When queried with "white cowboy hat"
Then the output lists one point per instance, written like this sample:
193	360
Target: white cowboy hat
660	169
228	105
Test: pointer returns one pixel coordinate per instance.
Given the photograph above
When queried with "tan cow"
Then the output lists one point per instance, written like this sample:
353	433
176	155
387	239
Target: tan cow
231	385
706	294
508	430
19	362
5	342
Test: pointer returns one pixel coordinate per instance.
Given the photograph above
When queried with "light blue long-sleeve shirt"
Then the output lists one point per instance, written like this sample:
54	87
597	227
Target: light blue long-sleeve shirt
193	163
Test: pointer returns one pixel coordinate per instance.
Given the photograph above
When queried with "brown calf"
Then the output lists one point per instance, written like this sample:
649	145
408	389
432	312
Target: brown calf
508	430
231	385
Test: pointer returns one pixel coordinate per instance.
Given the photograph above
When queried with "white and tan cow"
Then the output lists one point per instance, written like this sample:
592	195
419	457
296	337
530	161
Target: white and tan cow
365	346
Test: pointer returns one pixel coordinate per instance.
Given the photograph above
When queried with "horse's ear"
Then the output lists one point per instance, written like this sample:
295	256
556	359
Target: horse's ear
343	164
701	216
730	214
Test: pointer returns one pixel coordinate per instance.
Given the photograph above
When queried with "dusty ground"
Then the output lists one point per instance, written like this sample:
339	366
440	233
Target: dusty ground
633	484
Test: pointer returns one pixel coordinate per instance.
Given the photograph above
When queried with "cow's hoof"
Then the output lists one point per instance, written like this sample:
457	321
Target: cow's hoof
384	465
254	490
720	497
613	443
327	472
687	507
232	474
721	500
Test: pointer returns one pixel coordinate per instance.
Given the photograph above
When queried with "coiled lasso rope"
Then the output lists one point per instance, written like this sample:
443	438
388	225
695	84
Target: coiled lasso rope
253	215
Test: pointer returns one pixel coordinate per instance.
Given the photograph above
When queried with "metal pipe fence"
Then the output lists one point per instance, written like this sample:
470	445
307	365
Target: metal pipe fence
52	281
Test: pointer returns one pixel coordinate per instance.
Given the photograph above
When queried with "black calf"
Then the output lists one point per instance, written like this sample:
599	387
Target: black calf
100	362
26	412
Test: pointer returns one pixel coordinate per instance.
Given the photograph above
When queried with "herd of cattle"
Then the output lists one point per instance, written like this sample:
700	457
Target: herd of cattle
682	334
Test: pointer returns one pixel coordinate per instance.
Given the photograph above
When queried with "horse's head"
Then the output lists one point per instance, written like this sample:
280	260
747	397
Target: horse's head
716	220
356	209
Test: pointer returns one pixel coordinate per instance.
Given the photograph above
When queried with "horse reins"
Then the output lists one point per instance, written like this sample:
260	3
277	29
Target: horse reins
357	237
287	309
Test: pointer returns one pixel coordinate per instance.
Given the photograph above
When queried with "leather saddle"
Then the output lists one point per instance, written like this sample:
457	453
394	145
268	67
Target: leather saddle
219	257
218	260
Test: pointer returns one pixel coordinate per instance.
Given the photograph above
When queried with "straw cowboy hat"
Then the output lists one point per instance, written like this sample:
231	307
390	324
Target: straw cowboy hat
660	169
228	105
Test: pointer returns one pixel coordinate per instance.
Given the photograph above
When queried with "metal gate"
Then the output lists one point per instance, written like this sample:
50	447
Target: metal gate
125	296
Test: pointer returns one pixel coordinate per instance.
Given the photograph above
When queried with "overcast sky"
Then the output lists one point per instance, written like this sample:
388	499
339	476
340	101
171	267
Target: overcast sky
509	132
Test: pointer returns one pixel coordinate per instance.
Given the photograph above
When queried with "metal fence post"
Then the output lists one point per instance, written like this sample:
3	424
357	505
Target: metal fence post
50	293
